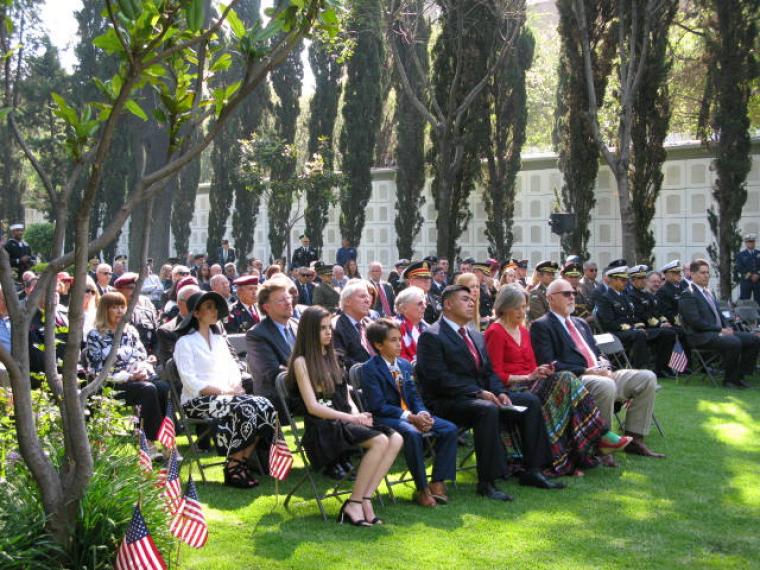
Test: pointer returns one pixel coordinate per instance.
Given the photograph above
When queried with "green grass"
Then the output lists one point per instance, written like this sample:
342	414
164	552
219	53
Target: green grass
699	508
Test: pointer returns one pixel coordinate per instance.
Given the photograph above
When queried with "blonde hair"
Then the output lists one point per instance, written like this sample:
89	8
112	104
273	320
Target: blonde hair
95	297
470	280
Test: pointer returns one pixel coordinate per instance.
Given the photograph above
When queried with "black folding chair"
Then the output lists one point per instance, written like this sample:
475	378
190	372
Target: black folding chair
308	475
238	344
207	426
705	362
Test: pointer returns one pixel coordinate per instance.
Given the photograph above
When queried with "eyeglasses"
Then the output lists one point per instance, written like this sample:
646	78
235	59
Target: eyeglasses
106	272
566	294
90	291
183	273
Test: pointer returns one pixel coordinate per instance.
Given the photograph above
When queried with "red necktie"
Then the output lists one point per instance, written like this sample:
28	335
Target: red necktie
363	334
383	300
580	344
470	346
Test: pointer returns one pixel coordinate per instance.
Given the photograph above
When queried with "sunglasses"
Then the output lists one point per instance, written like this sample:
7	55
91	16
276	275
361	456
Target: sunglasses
106	272
566	294
90	291
183	273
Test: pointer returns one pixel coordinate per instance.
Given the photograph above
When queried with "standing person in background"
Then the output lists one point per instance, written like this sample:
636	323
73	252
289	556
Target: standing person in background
748	270
225	254
522	273
19	251
384	292
304	255
345	253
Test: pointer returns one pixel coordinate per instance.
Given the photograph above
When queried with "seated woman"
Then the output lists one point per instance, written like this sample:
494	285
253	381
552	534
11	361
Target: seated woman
212	388
577	431
410	306
333	424
90	306
132	372
470	280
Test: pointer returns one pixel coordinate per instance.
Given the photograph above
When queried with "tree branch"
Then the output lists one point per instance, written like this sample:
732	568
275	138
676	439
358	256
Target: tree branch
116	30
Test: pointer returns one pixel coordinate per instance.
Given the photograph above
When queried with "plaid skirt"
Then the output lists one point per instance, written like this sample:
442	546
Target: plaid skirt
239	419
573	422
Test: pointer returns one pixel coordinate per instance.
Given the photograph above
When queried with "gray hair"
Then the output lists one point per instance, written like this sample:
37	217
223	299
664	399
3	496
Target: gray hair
509	297
351	289
589	264
186	292
217	279
411	294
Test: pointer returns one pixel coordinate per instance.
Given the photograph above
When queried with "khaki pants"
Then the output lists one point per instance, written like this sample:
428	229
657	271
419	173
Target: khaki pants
637	385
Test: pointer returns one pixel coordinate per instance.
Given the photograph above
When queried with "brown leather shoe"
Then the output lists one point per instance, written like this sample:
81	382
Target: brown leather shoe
438	491
637	447
425	499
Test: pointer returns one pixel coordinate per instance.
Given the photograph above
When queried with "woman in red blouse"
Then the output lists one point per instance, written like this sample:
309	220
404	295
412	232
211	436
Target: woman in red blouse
577	431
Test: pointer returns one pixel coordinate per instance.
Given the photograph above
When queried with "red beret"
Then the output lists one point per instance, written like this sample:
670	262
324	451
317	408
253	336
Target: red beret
64	276
246	280
185	281
129	278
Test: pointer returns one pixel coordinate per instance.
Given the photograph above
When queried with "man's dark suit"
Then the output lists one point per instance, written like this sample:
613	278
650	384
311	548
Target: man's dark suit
228	258
703	322
389	295
268	354
384	401
305	293
552	343
348	341
451	381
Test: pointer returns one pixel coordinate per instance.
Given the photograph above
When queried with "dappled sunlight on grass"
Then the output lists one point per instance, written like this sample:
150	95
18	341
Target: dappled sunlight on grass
731	423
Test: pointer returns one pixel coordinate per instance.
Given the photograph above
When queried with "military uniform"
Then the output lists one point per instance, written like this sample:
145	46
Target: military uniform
748	268
324	294
241	318
538	305
669	294
433	308
303	257
21	256
661	339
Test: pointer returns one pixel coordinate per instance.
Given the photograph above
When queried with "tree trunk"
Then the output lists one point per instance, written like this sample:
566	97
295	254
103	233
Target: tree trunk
627	222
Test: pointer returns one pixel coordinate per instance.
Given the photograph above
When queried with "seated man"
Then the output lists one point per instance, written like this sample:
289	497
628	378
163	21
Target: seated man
706	327
350	328
167	333
144	315
243	313
567	341
391	395
325	294
460	385
270	342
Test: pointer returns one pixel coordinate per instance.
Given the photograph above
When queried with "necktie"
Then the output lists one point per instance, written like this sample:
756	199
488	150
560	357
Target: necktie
580	344
383	300
470	346
363	335
289	336
396	373
713	306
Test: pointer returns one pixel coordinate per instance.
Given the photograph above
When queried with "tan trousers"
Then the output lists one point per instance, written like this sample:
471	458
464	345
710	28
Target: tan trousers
637	385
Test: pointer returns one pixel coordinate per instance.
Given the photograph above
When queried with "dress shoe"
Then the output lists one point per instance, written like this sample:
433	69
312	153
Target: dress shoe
535	478
637	447
438	492
425	499
334	471
489	491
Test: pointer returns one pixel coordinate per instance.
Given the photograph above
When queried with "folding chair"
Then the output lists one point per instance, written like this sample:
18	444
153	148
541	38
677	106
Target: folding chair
308	476
613	349
748	316
704	362
238	344
193	455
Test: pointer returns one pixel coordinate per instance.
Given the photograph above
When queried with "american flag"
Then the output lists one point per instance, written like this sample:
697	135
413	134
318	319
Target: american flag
144	457
166	434
168	479
678	359
189	524
280	458
137	550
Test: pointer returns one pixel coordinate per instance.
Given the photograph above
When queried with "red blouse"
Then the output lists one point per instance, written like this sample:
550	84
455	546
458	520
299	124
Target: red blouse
508	357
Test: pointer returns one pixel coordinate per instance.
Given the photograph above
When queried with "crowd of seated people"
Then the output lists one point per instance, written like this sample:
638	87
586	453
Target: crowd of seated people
485	347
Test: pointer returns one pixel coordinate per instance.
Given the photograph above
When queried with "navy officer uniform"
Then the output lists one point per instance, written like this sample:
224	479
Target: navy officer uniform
670	293
615	313
19	251
748	269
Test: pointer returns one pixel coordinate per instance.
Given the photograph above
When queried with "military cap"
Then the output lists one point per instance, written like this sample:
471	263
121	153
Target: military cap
323	269
64	276
619	272
637	271
522	264
401	263
572	269
616	263
128	278
120	257
16	227
432	259
418	270
577	259
747	237
547	266
246	280
483	266
304	236
185	281
674	266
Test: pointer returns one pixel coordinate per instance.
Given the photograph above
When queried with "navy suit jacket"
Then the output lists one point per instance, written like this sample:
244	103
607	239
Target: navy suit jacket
698	317
551	342
267	351
380	390
446	369
348	341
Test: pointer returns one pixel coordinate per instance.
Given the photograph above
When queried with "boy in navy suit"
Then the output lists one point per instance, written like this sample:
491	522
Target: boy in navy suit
391	396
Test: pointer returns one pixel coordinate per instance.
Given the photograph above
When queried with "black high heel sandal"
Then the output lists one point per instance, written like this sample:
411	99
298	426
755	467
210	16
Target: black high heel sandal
236	474
343	516
376	520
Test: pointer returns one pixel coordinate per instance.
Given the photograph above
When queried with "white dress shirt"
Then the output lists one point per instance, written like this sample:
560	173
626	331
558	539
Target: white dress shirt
201	366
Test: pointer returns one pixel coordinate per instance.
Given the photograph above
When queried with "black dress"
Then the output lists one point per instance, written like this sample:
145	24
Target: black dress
325	441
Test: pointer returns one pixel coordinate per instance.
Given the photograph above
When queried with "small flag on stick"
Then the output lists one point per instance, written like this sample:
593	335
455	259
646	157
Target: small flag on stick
189	524
137	550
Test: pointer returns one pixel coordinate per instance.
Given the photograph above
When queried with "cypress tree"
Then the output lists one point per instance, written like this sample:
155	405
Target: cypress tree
362	112
410	134
651	120
730	36
573	136
183	206
323	110
508	117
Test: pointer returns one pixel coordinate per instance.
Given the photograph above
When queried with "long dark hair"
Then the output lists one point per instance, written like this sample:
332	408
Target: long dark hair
324	371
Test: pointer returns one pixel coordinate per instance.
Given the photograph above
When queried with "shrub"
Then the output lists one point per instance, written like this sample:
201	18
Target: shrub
40	238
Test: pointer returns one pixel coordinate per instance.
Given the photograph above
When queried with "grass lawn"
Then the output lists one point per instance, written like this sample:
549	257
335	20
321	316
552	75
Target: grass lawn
699	508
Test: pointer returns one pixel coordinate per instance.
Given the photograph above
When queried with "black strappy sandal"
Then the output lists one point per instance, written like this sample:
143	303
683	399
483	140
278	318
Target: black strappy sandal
344	516
376	520
236	474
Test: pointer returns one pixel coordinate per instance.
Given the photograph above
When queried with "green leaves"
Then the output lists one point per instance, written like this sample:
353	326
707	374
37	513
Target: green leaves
222	96
109	42
135	109
195	14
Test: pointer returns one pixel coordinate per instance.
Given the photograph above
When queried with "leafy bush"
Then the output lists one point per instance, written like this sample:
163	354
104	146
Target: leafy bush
106	509
40	238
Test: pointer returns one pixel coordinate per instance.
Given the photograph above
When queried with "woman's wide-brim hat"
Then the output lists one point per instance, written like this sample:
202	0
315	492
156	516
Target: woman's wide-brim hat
194	301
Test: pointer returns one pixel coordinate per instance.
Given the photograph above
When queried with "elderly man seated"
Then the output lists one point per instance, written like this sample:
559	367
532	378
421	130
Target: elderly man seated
567	342
350	336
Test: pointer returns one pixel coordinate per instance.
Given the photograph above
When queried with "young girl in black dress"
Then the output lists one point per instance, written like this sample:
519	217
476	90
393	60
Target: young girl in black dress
333	424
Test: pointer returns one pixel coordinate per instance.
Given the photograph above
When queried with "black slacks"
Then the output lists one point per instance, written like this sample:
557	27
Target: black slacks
739	352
